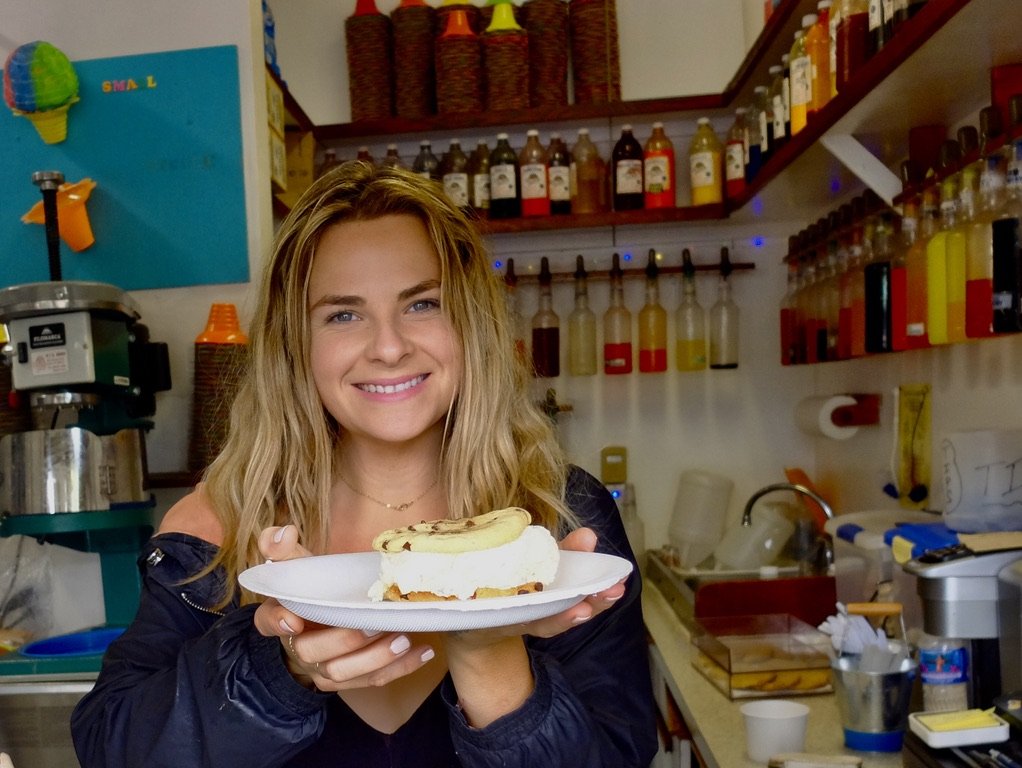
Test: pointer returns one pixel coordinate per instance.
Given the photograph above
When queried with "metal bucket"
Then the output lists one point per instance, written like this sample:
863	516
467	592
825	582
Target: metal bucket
873	705
53	471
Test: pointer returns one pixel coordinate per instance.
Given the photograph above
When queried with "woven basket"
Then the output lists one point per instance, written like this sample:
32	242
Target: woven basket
413	60
596	64
459	75
370	66
218	369
546	21
506	62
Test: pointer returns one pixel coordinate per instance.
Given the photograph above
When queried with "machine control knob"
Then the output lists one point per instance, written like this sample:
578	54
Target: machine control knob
22	352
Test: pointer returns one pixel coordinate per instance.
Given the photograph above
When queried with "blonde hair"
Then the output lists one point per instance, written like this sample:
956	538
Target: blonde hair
277	464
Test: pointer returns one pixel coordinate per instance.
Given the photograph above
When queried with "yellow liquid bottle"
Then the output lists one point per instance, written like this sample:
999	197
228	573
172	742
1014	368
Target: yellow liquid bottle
801	76
581	328
705	157
689	322
937	253
652	324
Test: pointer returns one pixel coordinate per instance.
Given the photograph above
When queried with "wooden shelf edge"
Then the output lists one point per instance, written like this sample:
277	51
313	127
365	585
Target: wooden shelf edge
633	272
610	219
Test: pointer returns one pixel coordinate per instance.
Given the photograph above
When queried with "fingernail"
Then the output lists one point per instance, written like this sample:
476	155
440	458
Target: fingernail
581	619
286	627
427	654
400	644
370	632
611	599
279	535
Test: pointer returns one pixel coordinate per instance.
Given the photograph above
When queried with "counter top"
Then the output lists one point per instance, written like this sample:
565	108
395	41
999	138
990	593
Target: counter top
715	720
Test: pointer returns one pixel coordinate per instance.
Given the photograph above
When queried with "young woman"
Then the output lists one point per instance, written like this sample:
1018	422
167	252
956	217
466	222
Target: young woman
382	389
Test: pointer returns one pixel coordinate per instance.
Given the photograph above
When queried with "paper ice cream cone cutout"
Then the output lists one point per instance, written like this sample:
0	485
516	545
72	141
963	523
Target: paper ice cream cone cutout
72	216
51	125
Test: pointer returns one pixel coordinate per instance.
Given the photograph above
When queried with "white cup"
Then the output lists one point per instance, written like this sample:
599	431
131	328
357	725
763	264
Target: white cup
773	726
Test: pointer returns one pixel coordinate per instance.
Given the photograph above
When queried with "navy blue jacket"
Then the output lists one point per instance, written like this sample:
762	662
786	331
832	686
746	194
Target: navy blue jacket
186	687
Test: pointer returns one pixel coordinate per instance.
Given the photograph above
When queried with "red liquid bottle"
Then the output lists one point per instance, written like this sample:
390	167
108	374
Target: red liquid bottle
546	330
617	326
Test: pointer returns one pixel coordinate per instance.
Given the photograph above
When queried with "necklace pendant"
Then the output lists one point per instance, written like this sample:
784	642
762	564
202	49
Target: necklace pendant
401	507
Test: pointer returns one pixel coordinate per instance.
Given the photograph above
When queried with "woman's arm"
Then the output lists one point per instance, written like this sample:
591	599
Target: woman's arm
592	700
184	686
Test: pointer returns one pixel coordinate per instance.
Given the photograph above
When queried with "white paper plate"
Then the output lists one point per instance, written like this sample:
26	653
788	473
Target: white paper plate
333	590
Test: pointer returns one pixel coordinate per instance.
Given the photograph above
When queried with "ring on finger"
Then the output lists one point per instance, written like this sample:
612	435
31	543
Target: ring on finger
291	646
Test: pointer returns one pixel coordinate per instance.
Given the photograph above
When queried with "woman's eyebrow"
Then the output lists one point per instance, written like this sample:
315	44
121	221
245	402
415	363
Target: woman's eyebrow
333	300
415	290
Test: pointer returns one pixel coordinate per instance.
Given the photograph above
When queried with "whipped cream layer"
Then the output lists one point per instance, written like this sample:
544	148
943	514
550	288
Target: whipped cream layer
533	556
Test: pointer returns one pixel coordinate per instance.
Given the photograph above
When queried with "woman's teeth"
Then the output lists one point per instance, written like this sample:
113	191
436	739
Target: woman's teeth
391	389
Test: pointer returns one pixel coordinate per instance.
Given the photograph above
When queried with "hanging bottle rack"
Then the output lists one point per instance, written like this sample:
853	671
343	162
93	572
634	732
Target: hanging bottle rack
604	274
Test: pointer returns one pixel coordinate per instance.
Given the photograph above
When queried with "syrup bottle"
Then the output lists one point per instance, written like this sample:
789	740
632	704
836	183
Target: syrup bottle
559	174
581	327
658	169
479	178
689	321
588	190
515	310
392	159
546	329
705	159
535	183
626	172
505	190
736	155
617	326
454	175
652	324
426	163
724	321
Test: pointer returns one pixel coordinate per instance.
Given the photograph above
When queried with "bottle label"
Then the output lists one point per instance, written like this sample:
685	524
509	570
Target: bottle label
915	329
734	162
560	183
502	182
876	14
617	358
628	174
704	172
900	5
832	25
456	188
801	81
534	181
764	135
1002	301
481	190
786	96
657	174
888	10
943	666
778	117
1013	174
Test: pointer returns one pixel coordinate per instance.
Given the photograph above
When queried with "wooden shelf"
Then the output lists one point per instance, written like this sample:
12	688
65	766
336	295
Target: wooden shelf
610	219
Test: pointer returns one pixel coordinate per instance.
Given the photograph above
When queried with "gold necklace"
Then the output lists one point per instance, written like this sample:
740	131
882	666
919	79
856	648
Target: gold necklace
396	507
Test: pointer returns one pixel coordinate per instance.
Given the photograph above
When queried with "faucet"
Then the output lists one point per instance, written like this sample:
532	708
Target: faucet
823	550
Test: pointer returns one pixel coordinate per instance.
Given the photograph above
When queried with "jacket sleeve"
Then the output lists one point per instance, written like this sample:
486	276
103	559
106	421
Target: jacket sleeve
593	703
183	686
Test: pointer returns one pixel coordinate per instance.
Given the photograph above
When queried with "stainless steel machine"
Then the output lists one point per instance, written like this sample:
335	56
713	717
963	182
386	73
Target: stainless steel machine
77	477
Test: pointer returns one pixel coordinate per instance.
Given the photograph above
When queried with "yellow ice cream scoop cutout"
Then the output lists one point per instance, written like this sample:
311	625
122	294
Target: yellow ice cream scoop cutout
72	218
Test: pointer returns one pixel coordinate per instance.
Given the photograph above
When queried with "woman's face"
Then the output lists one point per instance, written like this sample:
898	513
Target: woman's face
385	359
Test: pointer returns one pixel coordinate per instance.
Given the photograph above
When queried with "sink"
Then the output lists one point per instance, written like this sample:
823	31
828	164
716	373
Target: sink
694	594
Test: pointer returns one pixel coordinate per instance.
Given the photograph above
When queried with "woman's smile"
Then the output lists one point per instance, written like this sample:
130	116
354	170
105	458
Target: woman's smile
392	389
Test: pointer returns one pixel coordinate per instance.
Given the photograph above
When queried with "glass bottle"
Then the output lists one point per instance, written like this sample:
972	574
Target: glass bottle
652	323
876	27
844	260
581	327
899	274
818	49
937	248
852	40
479	178
587	176
329	162
559	175
515	310
979	267
1007	271
754	157
736	155
877	281
392	159
958	246
535	184
505	190
689	321
546	329
617	326
365	156
779	131
426	163
658	169
705	157
801	77
917	313
626	172
724	321
786	91
765	118
453	172
833	22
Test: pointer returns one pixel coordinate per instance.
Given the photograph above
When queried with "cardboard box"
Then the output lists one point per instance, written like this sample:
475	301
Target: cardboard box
301	161
278	163
274	106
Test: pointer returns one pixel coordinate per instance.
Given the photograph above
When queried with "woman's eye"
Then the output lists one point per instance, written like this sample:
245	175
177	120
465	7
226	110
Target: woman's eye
343	316
425	305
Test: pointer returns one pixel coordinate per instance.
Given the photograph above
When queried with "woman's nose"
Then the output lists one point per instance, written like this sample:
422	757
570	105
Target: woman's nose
390	343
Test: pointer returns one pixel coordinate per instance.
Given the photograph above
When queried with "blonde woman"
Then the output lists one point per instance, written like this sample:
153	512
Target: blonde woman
382	389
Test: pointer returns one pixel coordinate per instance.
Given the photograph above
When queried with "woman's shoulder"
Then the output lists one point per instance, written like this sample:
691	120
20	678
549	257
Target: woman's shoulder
194	515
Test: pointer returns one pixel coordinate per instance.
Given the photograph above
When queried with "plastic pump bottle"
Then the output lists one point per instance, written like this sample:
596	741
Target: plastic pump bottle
581	327
724	320
617	326
652	324
690	321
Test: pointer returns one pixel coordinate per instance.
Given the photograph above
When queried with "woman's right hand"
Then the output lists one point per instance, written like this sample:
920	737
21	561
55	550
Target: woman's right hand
331	658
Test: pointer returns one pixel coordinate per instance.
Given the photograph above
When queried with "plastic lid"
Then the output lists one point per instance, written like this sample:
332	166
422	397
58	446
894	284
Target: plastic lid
775	68
392	146
740	111
501	136
760	89
626	127
532	132
583	131
809	19
87	643
424	143
703	121
658	124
